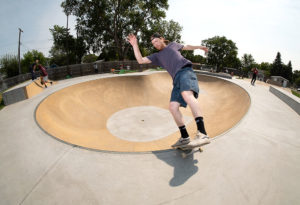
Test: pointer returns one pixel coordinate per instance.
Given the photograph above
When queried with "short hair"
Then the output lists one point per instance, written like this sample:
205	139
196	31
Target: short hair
155	35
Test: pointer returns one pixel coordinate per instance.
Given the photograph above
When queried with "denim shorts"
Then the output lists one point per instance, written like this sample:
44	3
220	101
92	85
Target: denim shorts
185	80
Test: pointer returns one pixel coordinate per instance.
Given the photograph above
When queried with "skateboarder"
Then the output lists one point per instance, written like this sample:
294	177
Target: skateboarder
255	72
44	76
185	84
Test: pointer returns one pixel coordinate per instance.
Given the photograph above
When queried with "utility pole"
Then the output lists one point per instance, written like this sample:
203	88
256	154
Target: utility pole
20	30
67	34
67	38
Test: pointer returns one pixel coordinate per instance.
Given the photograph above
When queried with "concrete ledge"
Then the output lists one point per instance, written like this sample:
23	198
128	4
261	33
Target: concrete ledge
22	91
15	95
287	98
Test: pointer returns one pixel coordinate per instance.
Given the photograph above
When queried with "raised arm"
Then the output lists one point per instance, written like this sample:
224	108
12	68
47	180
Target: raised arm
189	47
137	53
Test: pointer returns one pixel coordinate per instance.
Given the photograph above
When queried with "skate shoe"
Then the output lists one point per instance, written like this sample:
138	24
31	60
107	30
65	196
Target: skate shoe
181	142
201	139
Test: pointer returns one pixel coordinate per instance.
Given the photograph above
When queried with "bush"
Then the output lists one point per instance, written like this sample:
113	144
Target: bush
1	101
9	65
297	82
89	58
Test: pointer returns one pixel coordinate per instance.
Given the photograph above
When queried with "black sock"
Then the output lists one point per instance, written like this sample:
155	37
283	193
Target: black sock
183	131
200	125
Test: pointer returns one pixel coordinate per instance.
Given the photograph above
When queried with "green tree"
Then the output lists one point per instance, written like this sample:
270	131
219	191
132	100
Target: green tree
105	24
89	58
29	58
266	67
221	51
66	49
277	66
296	78
199	59
170	30
9	65
288	71
248	62
233	62
188	54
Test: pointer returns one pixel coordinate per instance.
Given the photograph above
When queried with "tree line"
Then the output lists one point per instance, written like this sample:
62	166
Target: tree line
103	25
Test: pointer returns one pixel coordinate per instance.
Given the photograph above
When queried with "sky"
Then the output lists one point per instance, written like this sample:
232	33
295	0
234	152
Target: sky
258	27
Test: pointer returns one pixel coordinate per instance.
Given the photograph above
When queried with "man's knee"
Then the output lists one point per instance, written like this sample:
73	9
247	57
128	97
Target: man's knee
187	95
174	107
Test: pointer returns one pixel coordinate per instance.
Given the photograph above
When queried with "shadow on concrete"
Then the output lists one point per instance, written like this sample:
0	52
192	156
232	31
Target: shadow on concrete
183	168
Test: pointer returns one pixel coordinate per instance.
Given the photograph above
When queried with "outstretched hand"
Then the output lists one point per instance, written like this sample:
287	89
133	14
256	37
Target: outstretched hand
205	50
132	39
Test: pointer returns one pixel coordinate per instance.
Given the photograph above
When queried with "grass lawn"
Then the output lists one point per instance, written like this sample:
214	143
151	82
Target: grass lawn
157	69
296	93
123	71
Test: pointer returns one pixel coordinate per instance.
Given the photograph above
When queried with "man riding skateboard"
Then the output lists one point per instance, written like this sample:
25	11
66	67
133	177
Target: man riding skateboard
185	84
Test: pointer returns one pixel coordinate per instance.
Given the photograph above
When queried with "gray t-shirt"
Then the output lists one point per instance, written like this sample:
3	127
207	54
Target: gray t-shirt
170	58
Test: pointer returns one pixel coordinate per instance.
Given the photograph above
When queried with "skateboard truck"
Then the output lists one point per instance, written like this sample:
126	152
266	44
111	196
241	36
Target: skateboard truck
187	152
189	149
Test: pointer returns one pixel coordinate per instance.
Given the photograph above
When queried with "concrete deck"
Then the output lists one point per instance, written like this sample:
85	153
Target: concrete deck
255	162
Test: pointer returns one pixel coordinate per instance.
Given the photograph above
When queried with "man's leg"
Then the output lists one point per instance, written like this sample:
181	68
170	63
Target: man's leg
254	80
174	109
193	103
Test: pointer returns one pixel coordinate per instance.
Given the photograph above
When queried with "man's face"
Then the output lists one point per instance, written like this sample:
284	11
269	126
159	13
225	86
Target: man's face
158	43
36	61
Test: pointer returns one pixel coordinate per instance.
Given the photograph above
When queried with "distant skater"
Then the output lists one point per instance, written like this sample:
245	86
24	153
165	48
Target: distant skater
44	76
185	83
255	72
33	68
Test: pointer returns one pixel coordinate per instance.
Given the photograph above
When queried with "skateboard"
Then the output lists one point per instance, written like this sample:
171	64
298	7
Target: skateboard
187	152
190	148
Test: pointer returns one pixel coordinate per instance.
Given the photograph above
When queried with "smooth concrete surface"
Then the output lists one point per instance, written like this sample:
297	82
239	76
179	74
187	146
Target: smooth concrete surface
143	123
79	114
255	162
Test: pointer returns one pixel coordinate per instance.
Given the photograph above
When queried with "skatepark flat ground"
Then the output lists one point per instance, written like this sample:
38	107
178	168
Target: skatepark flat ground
255	162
